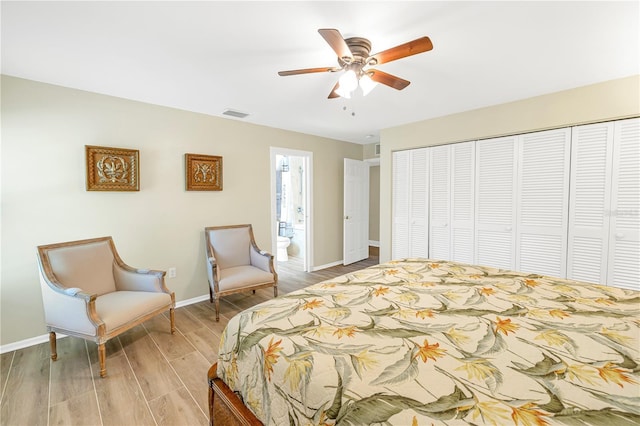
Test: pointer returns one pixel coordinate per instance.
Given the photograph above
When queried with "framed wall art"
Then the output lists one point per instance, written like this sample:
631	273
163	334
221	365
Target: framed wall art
112	169
203	172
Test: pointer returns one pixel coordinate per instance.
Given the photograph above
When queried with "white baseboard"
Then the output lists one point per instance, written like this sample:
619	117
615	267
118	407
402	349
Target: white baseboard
328	265
45	337
374	243
28	342
191	301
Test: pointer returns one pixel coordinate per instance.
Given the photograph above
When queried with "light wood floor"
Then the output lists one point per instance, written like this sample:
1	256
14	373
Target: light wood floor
153	377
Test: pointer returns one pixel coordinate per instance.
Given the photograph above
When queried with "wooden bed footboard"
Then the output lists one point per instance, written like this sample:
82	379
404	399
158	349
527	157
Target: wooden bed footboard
225	407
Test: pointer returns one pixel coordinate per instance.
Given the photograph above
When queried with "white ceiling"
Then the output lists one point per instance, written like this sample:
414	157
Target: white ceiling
207	56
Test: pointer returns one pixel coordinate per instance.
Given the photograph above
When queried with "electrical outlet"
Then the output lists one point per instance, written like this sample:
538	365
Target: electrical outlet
172	272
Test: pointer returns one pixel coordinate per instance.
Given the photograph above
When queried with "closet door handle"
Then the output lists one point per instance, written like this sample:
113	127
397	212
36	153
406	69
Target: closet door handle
619	235
508	228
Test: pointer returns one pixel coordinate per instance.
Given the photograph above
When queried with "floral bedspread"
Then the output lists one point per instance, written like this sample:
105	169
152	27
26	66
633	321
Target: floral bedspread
422	342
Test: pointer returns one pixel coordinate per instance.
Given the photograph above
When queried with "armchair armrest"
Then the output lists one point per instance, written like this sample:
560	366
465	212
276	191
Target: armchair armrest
261	259
69	308
213	272
131	279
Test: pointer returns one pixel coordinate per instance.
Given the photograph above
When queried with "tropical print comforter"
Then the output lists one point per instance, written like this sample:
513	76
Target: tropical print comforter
422	342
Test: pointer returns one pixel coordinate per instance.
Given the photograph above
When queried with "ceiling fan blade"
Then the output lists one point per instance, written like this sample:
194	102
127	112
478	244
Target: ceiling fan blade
333	93
337	43
308	71
388	79
420	45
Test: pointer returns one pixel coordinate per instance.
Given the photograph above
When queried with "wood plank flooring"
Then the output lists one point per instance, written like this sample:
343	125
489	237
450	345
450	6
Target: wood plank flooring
153	377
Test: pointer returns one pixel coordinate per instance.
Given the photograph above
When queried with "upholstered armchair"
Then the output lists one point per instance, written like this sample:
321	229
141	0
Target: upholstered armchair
89	292
235	263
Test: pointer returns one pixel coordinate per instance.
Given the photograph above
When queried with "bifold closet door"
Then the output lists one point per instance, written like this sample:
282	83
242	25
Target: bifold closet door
590	198
604	218
419	206
542	191
400	205
495	197
463	168
410	203
439	202
451	198
623	269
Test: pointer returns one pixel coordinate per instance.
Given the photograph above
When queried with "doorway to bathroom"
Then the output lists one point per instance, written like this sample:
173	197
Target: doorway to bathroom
291	175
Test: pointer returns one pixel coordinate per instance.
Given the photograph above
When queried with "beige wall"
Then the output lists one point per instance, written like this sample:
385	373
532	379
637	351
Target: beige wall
599	102
44	130
369	151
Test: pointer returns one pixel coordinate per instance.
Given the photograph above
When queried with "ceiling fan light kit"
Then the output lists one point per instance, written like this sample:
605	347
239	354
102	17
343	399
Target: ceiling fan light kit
354	59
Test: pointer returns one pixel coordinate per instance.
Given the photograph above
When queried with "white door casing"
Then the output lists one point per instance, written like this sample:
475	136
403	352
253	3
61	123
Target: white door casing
308	199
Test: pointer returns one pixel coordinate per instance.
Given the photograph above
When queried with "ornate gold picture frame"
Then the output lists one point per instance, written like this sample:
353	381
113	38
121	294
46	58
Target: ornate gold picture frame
112	169
203	172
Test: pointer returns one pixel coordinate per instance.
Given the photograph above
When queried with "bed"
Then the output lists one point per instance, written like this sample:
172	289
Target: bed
422	342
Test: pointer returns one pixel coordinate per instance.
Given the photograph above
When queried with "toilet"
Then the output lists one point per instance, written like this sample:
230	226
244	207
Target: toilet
283	243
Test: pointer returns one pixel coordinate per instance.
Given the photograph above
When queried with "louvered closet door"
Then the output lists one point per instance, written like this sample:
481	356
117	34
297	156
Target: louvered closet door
624	235
495	201
451	201
410	204
462	201
400	205
589	201
543	199
419	203
439	202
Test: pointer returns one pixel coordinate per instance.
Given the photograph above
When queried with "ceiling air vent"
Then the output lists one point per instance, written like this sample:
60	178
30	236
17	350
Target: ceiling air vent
234	113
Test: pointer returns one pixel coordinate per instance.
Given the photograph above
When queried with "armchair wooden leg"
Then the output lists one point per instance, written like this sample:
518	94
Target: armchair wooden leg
217	302
210	295
172	318
275	291
102	357
52	342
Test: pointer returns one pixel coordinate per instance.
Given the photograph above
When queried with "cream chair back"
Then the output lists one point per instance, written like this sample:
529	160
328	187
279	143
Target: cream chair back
88	266
231	246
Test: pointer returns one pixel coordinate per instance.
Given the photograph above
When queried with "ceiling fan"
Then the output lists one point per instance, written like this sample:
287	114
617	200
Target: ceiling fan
355	60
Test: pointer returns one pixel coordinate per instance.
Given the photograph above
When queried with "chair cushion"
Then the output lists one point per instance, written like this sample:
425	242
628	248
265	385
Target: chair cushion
87	266
123	307
231	246
243	276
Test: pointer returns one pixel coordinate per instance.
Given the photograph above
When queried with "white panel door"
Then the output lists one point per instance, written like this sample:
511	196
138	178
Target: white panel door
419	203
495	202
400	204
439	202
589	201
356	211
462	201
542	191
624	236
